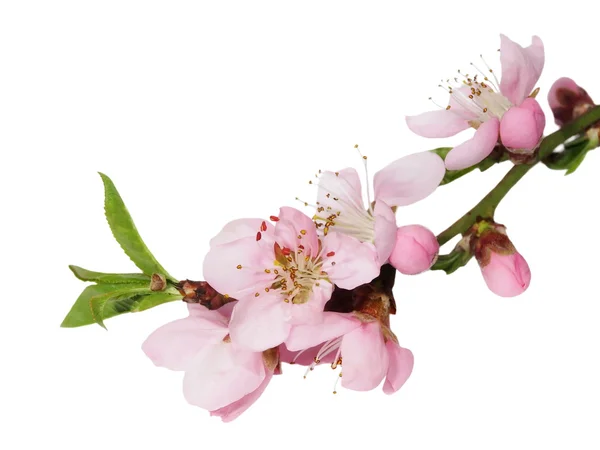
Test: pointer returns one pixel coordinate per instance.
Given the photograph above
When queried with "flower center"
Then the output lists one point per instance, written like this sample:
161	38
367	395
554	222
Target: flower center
476	98
296	274
479	100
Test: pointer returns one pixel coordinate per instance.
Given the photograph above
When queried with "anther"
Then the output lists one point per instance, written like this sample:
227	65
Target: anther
263	226
258	236
239	267
274	218
331	254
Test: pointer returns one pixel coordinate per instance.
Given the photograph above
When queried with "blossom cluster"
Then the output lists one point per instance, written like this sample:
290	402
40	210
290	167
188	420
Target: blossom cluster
281	277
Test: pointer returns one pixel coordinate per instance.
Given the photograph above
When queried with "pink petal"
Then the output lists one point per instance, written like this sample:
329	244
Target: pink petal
260	323
221	267
415	249
365	358
385	231
175	344
345	184
296	228
401	366
235	409
507	275
522	127
521	68
437	124
345	187
311	312
347	261
475	149
241	228
334	325
409	179
221	375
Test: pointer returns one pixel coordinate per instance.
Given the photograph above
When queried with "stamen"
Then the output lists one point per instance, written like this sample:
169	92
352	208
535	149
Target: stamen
491	71
305	204
337	379
437	104
367	178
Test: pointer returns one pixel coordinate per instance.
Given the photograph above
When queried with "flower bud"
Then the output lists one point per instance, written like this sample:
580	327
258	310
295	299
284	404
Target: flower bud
504	270
568	100
522	126
506	275
415	251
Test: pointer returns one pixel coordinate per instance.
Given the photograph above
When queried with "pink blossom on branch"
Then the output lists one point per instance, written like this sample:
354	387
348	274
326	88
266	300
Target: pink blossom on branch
499	110
283	274
220	377
341	208
362	344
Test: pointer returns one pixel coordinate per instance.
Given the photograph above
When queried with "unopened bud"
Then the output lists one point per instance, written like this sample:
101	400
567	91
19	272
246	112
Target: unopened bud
568	100
504	270
522	127
415	251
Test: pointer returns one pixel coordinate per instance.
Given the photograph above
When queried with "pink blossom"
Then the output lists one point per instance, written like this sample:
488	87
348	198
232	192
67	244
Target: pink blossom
506	275
220	377
365	347
282	274
485	104
340	206
415	250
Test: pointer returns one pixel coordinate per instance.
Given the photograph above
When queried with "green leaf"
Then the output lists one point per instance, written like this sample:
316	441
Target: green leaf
157	298
109	278
81	313
126	233
110	304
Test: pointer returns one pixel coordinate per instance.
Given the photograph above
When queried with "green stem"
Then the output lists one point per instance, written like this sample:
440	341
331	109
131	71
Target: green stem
488	204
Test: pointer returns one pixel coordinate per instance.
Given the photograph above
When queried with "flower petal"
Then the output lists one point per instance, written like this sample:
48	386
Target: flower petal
365	358
351	263
296	228
401	366
415	249
334	325
522	127
235	409
311	312
437	124
175	344
344	184
260	323
251	256
409	179
385	231
475	149
521	68
241	228
221	375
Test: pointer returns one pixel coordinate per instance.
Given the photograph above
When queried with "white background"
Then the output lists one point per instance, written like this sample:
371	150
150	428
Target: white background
202	112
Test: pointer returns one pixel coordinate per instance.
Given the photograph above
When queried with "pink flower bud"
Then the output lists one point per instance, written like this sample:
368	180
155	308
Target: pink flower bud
506	275
568	100
415	250
522	127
